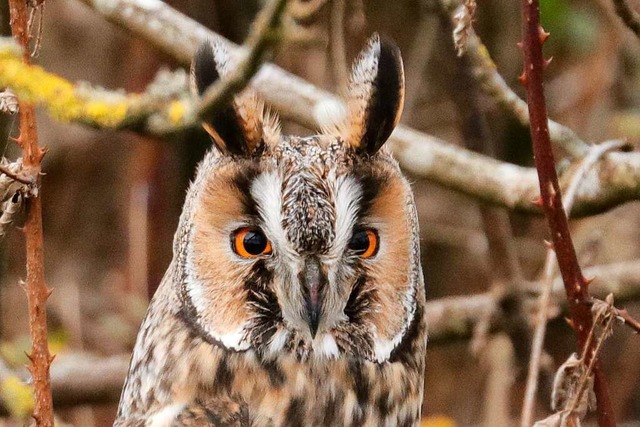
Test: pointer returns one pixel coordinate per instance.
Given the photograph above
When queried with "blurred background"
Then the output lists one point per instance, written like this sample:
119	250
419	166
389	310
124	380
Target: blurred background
112	199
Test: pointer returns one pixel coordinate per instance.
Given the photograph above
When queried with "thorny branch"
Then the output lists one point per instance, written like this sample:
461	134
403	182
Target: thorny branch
576	285
546	283
36	288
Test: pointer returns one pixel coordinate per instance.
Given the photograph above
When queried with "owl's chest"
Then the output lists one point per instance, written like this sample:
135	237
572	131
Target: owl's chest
337	393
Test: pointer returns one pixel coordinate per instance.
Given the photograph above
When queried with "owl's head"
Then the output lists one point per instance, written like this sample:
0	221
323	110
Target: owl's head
302	246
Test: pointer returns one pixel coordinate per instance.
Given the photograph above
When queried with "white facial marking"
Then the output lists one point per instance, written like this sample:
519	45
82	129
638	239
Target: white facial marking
266	191
347	193
234	339
278	340
165	416
326	347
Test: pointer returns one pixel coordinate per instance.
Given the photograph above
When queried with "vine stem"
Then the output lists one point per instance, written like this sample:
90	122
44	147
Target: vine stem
576	286
36	288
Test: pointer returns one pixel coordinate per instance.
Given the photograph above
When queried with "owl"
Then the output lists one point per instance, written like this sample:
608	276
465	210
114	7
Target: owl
295	295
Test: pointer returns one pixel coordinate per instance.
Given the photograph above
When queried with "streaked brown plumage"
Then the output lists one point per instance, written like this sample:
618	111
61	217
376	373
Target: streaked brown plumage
295	296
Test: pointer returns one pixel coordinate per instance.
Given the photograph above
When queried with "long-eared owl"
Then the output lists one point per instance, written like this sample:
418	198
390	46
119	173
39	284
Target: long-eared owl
295	295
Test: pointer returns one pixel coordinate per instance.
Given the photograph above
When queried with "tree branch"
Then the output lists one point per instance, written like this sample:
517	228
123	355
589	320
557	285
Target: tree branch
260	40
454	318
614	180
576	285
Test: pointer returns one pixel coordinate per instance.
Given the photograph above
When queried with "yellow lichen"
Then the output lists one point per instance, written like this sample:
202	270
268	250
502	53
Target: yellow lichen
105	113
17	396
176	112
438	421
33	84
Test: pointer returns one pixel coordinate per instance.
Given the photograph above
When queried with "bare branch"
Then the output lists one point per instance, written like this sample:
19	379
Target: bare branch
454	318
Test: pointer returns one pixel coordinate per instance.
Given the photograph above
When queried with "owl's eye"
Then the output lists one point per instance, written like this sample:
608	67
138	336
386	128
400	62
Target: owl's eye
364	242
249	242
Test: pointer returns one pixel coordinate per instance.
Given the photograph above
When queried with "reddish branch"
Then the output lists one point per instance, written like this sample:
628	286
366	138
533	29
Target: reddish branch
36	288
576	286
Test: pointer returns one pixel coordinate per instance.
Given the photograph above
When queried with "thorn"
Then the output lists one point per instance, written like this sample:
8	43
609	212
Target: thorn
547	62
548	244
30	357
609	299
520	45
522	78
41	152
570	323
49	292
588	281
51	358
542	34
537	201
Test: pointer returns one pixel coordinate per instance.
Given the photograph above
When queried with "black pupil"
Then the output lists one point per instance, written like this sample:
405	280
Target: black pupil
359	242
254	242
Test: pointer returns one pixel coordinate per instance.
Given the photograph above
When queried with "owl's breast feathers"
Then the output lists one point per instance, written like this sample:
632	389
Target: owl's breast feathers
180	378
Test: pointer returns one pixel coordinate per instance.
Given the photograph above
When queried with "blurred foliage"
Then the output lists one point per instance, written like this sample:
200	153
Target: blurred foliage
17	396
15	352
573	28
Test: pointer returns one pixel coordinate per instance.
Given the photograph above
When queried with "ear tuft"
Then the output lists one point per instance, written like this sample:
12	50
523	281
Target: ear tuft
375	96
238	127
204	70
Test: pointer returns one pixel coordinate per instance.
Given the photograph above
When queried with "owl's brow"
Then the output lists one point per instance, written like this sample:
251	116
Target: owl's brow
371	184
242	181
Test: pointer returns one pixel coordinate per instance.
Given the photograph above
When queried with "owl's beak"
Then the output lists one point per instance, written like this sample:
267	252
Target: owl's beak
313	281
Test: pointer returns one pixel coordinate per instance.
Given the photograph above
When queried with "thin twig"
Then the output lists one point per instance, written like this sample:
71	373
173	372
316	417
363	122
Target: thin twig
338	49
263	36
592	359
27	180
627	319
576	285
538	339
628	16
37	291
546	282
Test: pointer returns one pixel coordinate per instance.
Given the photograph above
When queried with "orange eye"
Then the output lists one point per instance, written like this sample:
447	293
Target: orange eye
364	243
250	243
